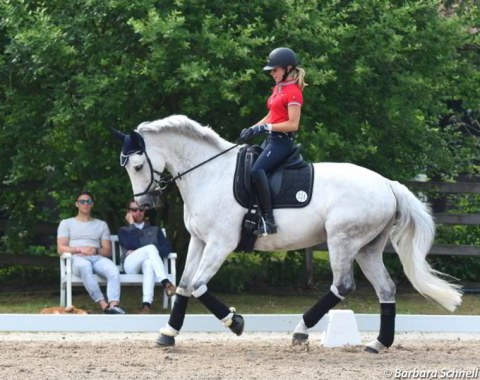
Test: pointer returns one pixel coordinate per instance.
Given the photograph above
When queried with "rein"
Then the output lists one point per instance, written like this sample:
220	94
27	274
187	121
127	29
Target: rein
161	185
180	175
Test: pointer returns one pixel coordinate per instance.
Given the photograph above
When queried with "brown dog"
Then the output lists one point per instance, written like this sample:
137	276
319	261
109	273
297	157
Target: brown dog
62	310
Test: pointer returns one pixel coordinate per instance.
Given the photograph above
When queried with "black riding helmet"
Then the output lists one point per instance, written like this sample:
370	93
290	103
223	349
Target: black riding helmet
282	57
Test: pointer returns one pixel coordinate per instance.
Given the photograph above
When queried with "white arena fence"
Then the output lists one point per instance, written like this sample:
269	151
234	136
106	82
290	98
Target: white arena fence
208	323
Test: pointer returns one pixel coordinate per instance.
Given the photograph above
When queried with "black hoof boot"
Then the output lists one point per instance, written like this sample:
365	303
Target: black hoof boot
299	338
237	325
165	341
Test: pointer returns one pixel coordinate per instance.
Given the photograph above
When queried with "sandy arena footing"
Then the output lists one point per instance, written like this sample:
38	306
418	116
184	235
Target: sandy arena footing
225	356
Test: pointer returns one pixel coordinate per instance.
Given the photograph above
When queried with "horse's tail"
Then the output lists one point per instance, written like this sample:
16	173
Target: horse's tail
412	237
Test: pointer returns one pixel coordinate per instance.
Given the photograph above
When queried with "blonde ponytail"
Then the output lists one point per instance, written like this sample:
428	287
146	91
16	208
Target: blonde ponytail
298	73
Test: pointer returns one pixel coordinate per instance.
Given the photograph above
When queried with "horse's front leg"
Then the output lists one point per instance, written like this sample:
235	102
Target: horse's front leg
177	315
213	257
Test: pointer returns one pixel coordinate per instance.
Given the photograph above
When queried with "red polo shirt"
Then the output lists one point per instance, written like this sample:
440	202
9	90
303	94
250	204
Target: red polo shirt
284	94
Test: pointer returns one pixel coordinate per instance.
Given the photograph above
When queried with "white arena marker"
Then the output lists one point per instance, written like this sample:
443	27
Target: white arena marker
341	329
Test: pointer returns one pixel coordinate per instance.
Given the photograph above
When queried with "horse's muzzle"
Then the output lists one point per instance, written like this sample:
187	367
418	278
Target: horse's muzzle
150	200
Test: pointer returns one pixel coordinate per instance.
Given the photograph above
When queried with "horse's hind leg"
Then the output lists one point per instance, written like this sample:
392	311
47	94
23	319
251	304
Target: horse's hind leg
370	260
341	261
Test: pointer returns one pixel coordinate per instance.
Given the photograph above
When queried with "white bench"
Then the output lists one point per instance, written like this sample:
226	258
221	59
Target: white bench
68	279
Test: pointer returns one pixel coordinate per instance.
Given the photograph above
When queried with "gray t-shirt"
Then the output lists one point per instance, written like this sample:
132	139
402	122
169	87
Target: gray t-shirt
84	234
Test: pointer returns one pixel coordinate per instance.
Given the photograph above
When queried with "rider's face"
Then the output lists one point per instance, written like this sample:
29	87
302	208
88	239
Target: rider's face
277	74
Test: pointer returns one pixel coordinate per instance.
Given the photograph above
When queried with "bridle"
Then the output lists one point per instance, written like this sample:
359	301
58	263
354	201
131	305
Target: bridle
156	186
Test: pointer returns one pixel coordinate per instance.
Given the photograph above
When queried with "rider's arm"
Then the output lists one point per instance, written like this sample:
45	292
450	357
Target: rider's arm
264	120
293	122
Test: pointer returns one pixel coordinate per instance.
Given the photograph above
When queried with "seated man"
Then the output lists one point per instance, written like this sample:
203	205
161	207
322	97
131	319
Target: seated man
143	247
88	239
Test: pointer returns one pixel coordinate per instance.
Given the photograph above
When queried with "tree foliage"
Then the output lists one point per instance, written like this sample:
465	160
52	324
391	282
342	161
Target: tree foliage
380	74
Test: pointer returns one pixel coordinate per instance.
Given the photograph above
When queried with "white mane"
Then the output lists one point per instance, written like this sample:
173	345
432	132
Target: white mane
183	125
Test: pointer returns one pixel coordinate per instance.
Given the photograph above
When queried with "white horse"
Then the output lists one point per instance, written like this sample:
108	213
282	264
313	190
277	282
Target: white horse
355	210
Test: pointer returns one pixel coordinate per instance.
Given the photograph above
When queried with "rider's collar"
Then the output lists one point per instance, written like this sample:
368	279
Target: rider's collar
287	83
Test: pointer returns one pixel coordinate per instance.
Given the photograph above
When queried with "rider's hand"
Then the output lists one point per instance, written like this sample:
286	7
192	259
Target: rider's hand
245	134
251	132
265	126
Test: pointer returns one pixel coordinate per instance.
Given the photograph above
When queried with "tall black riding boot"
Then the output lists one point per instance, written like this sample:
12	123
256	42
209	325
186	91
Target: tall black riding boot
267	224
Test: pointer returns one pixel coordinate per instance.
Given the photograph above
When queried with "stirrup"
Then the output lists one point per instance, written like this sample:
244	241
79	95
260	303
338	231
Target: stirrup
267	227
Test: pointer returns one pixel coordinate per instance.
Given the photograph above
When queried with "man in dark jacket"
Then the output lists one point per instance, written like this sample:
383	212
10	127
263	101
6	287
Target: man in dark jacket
143	247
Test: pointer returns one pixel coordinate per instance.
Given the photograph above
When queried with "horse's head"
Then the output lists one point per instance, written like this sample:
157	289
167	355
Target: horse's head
145	179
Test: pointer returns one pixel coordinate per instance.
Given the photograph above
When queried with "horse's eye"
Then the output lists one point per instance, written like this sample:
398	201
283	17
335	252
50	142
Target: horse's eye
138	168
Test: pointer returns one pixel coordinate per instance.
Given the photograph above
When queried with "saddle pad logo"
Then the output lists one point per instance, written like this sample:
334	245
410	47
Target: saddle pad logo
301	196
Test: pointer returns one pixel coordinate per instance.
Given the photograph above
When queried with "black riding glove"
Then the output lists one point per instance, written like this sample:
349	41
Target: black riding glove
250	133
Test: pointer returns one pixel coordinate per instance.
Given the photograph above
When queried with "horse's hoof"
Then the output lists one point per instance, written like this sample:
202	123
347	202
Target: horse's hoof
299	338
371	350
165	341
375	347
237	324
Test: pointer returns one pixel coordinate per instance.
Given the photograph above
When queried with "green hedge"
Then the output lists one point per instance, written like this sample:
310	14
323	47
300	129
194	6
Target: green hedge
22	277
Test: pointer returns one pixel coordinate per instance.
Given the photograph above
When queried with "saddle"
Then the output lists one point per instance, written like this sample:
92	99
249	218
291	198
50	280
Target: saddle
291	185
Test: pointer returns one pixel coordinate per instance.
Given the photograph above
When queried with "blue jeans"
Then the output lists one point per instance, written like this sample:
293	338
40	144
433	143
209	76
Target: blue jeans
86	266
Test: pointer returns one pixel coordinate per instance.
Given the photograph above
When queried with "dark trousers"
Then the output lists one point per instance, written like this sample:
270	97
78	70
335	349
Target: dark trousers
277	148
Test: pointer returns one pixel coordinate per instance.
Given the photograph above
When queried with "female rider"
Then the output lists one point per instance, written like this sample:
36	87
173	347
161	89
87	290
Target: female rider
280	125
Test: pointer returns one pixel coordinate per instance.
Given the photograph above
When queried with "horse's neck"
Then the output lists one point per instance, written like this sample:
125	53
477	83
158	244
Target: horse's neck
183	153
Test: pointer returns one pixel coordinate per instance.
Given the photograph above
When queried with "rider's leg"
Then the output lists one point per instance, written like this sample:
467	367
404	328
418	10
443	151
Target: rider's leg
260	182
277	149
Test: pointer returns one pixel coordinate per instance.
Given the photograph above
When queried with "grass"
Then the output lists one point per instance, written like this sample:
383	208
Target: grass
363	300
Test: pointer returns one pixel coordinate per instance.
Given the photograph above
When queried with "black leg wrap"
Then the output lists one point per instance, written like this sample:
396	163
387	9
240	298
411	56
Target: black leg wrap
177	316
317	311
217	308
387	324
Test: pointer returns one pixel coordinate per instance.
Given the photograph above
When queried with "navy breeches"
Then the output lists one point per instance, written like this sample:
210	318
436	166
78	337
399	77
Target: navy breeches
275	151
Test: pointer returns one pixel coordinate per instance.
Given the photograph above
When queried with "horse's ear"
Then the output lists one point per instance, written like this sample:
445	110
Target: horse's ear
137	140
119	135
